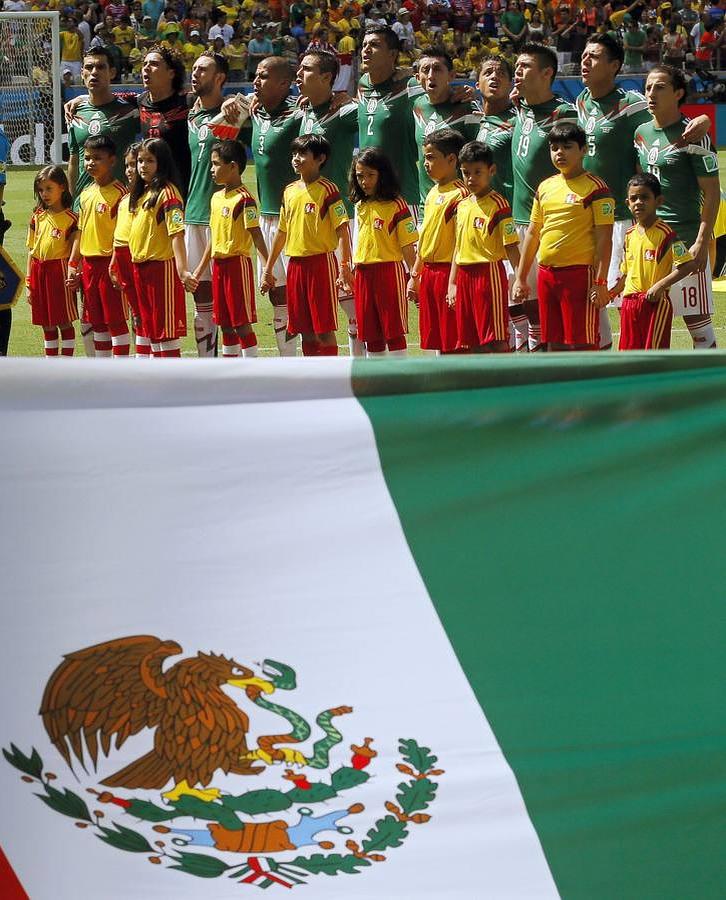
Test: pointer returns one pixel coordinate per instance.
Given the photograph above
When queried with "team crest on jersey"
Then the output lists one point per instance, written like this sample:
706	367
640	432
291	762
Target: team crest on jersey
479	222
590	125
653	155
310	208
372	105
572	199
309	812
378	224
527	126
101	207
94	127
203	133
308	127
264	126
56	233
648	254
440	199
226	212
430	126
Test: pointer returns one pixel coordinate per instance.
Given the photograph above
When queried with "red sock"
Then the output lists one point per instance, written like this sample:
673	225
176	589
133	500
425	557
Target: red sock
68	340
120	339
248	340
375	346
102	340
327	349
50	341
171	349
398	343
310	348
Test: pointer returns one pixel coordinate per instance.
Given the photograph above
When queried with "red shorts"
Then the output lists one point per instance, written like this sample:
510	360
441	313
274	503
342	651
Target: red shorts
312	295
125	274
436	319
566	314
161	299
103	304
644	325
380	301
482	307
233	292
53	302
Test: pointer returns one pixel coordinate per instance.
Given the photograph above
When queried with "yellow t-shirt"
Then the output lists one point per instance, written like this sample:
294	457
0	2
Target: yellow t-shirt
136	57
484	228
310	215
152	229
230	10
567	210
236	56
650	254
346	45
123	223
231	215
125	39
190	53
384	227
438	229
71	46
50	234
98	208
423	41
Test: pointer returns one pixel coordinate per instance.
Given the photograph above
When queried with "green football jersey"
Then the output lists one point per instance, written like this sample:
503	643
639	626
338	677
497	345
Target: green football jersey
678	171
271	136
341	130
427	117
609	123
496	132
385	120
201	186
531	151
117	119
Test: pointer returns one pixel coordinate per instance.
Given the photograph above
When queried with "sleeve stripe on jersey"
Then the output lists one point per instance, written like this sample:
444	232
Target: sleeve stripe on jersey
164	207
399	216
669	238
499	215
242	204
599	194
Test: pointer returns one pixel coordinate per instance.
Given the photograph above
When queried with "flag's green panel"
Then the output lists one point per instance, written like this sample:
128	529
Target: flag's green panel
568	515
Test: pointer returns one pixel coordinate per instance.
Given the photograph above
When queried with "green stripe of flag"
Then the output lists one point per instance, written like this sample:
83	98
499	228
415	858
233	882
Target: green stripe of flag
568	516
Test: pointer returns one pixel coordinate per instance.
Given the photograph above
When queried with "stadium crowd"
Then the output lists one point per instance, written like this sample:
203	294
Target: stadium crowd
681	32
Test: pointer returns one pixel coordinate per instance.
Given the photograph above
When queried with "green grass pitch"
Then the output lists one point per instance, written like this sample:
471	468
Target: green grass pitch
27	339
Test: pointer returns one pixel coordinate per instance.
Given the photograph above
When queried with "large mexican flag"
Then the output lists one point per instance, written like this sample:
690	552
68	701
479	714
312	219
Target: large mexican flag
432	629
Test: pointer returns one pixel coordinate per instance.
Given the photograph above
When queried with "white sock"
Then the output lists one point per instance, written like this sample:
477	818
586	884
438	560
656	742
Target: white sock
606	332
121	340
279	323
155	348
230	349
69	344
534	336
87	338
51	345
142	341
355	346
249	352
520	333
205	331
102	337
702	333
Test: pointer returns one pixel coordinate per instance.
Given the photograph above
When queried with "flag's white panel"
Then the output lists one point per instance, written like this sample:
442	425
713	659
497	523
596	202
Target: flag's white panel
238	509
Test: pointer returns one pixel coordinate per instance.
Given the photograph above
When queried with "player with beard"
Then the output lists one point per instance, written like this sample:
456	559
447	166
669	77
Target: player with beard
609	116
209	74
438	109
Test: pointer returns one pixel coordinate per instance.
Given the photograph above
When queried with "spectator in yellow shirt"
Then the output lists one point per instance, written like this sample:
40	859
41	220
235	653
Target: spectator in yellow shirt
236	53
71	48
192	49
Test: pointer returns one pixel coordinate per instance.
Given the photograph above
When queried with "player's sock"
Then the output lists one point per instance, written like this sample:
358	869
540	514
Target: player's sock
205	331
327	349
230	345
534	337
171	348
89	342
375	348
310	348
355	346
68	340
143	346
120	339
520	333
606	332
397	346
702	333
285	347
248	343
102	343
50	341
156	349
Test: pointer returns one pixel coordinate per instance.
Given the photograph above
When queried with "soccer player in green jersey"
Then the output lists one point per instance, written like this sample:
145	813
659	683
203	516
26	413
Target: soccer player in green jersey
610	115
209	74
275	123
100	113
538	112
690	182
385	104
437	109
316	76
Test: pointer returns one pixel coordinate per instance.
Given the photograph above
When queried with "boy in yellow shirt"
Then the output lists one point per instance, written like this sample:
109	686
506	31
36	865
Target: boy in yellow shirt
104	306
654	259
429	279
571	224
485	236
313	223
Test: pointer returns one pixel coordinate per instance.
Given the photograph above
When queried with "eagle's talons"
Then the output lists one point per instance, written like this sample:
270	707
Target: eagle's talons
290	755
184	790
278	755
